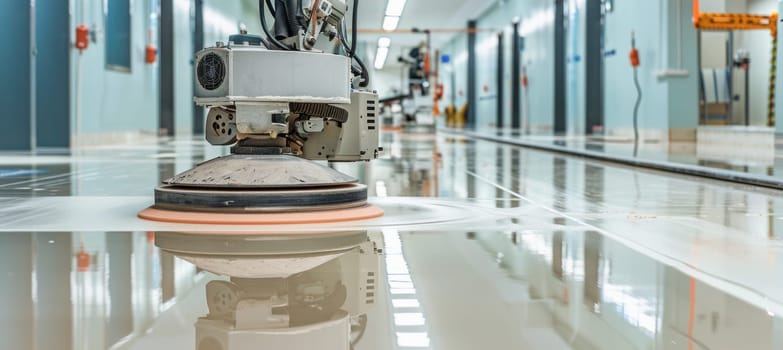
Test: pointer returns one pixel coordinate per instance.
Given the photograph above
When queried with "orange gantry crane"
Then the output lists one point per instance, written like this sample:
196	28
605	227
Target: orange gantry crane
741	21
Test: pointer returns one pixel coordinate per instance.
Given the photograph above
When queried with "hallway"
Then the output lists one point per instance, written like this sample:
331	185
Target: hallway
482	245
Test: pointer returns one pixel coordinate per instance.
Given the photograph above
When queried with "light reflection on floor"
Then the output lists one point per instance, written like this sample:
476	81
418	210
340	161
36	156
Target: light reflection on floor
753	159
483	246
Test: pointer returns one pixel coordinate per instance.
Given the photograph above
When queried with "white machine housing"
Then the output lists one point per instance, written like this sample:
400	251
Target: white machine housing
249	89
254	74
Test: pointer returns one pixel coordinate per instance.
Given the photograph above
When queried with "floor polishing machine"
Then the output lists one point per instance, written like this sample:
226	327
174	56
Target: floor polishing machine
282	102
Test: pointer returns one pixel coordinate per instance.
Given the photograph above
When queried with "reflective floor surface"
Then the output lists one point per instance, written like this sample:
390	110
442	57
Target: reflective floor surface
483	246
744	160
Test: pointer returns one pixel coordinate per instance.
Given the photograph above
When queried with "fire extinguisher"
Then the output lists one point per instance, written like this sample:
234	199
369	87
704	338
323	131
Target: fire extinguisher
150	54
634	55
82	37
150	51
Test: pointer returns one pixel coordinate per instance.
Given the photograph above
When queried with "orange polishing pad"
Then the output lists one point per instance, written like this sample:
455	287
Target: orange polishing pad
313	217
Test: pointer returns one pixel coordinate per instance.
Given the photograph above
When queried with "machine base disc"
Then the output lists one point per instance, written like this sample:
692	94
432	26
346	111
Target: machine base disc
260	172
284	218
246	184
253	200
260	189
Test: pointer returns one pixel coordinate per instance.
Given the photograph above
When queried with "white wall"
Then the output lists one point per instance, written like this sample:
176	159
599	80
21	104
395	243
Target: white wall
644	19
183	68
537	28
116	103
113	101
486	78
664	42
759	45
575	67
388	83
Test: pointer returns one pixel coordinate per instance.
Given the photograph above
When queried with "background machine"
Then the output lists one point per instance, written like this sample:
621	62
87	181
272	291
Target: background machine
281	101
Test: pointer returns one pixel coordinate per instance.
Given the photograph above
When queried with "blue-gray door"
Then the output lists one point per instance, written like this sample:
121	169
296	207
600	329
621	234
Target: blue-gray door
15	76
52	73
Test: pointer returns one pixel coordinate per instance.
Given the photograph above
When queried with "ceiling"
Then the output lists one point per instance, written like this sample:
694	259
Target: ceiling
421	14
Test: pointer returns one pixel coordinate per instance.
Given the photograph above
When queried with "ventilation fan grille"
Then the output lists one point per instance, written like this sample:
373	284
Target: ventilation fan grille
211	71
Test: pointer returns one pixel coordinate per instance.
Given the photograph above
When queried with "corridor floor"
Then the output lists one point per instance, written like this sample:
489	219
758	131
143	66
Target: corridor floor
483	245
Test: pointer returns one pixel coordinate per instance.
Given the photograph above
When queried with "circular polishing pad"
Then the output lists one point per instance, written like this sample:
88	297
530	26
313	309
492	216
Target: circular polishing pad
283	218
256	200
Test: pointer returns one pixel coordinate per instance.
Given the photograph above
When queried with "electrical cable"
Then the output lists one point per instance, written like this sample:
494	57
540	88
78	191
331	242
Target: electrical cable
272	9
364	73
354	26
301	16
341	35
347	49
634	56
79	78
636	112
354	30
365	76
264	26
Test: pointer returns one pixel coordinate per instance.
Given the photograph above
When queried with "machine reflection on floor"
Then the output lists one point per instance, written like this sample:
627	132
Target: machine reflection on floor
285	292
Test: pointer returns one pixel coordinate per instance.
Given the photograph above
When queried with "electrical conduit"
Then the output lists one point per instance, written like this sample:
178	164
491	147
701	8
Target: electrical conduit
634	56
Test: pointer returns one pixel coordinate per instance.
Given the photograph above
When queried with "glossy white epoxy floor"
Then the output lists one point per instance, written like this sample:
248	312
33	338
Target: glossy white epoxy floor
512	249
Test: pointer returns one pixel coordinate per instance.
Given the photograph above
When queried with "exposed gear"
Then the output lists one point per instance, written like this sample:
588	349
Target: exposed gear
320	110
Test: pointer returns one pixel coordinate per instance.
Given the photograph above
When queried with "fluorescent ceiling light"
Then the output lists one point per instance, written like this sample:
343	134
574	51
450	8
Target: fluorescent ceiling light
395	264
413	339
402	291
399	278
384	42
405	303
395	7
409	319
390	23
380	57
400	284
